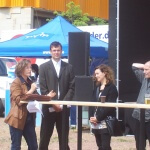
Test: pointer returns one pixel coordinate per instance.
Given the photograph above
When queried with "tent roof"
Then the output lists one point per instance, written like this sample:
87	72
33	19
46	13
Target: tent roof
37	42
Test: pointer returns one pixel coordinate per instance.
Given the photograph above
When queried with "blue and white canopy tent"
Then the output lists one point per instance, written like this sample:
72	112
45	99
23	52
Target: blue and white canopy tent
37	42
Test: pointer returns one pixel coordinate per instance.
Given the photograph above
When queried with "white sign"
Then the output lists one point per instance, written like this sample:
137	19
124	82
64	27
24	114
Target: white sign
100	31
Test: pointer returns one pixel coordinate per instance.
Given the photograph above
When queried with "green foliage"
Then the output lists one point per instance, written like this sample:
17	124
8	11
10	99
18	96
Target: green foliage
99	21
75	16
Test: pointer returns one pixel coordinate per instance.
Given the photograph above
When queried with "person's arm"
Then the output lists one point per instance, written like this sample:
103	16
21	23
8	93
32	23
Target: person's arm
111	97
71	89
19	94
32	89
55	106
38	97
42	80
138	65
138	71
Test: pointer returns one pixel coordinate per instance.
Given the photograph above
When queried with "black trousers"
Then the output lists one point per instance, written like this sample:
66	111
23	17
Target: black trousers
47	126
137	132
103	141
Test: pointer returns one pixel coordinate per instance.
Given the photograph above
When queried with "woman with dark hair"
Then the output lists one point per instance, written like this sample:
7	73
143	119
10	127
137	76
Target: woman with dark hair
35	71
20	121
104	86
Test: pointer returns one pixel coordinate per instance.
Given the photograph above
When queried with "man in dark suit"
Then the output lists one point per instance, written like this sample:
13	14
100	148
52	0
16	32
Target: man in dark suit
58	76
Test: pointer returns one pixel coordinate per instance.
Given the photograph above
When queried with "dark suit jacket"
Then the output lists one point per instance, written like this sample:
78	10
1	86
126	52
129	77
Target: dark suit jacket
111	94
49	81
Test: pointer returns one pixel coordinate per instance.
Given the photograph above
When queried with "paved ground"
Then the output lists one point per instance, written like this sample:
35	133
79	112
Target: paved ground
88	140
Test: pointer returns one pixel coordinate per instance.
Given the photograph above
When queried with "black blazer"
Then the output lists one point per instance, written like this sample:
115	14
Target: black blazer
111	93
48	80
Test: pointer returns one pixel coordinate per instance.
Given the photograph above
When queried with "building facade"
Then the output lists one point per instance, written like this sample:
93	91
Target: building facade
30	14
95	8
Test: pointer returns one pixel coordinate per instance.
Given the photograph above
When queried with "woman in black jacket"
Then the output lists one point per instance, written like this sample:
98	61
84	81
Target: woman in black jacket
104	86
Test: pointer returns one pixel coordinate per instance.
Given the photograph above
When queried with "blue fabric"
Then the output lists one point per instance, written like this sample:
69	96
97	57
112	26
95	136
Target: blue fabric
16	135
96	62
36	43
28	132
73	115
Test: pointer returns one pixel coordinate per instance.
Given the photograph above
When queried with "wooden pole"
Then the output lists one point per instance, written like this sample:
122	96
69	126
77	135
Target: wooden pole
118	105
78	103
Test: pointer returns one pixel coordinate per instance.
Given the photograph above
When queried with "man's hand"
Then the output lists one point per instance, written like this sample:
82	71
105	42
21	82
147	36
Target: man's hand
138	65
57	107
51	94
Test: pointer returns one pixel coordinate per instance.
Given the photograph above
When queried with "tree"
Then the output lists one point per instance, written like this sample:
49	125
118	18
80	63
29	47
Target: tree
75	16
99	21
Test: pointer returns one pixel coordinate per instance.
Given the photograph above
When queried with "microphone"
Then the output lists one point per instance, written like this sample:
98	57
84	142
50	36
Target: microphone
32	78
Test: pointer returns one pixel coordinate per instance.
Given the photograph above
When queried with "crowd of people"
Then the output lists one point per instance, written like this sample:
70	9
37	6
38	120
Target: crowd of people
57	82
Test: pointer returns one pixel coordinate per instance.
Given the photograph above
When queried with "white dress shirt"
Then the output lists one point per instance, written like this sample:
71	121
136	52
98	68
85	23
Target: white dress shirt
57	66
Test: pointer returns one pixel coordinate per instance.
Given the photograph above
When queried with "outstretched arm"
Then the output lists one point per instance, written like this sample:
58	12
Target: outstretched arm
138	65
138	69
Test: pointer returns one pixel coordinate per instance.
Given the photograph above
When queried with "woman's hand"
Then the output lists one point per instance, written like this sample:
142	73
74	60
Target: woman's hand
93	120
51	94
33	86
32	89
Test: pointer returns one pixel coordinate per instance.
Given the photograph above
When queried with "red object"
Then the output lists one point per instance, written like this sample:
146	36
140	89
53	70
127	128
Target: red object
17	36
33	60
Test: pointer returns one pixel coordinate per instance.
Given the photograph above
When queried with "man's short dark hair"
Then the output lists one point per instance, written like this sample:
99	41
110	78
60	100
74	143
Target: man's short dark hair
55	44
